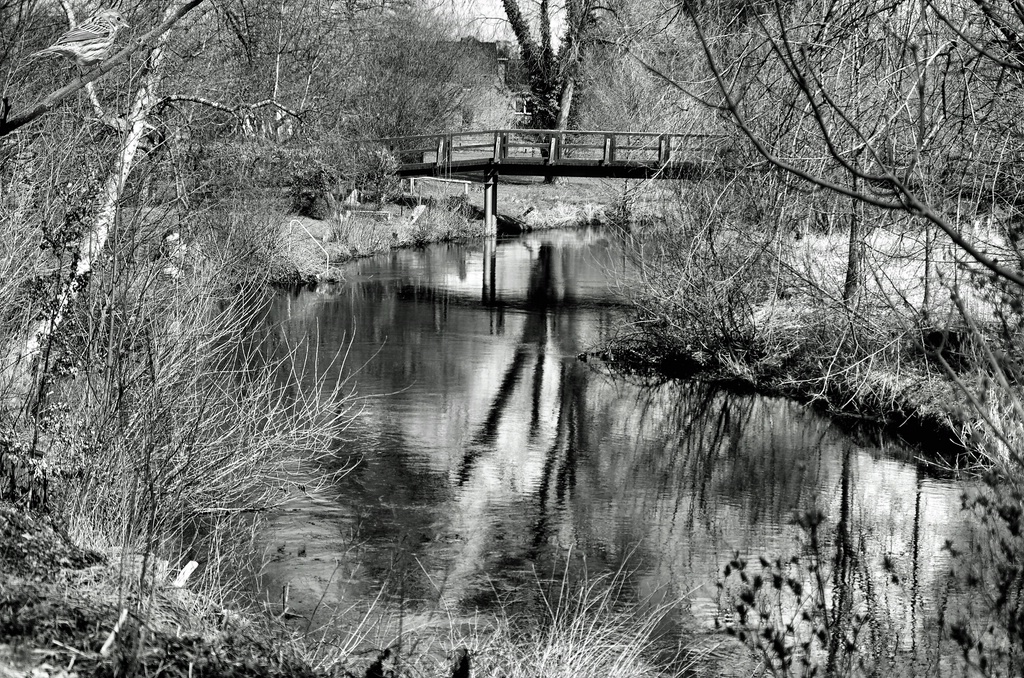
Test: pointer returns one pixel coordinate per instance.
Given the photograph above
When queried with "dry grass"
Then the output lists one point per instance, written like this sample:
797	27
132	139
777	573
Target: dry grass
585	629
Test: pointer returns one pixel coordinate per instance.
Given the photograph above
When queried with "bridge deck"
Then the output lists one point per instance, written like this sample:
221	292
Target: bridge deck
553	153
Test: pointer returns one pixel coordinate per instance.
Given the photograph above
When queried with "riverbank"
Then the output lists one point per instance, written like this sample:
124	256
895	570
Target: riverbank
921	406
916	349
311	251
70	611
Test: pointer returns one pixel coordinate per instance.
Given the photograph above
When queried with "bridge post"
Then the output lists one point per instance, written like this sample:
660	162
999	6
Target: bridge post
490	277
491	203
609	149
664	149
440	152
496	155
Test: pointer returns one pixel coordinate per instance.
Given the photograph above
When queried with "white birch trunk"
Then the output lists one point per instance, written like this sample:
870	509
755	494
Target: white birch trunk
95	240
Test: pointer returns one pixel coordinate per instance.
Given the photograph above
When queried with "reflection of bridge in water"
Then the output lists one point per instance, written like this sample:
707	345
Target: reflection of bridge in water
486	155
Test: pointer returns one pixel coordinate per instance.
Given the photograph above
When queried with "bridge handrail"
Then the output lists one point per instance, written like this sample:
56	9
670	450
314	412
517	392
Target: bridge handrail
547	132
555	146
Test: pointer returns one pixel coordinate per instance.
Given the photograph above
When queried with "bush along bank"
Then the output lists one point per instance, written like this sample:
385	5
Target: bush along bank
913	341
150	421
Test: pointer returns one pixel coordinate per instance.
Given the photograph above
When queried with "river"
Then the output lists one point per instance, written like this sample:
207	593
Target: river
487	460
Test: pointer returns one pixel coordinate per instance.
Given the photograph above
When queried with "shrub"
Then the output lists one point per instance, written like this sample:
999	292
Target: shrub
373	172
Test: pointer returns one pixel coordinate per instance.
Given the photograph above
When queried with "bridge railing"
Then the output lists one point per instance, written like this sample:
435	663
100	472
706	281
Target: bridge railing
552	147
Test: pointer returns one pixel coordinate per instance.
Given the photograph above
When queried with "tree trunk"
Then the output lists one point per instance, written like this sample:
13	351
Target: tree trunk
95	239
565	104
855	254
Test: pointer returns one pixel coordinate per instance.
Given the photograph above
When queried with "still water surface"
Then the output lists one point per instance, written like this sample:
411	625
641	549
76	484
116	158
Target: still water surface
487	456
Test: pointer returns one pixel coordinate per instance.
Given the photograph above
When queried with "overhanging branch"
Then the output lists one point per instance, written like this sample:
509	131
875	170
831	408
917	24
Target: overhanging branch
908	200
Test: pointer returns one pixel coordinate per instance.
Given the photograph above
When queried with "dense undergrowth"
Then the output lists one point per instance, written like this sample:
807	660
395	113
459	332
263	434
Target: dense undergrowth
146	419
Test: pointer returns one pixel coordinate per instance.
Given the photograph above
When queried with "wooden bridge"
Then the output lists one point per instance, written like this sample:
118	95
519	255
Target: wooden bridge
486	155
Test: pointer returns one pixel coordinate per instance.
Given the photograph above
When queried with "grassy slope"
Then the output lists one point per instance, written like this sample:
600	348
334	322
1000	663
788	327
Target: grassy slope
764	310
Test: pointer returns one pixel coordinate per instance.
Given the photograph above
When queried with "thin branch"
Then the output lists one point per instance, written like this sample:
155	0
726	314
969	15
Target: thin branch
233	110
654	70
1016	65
909	201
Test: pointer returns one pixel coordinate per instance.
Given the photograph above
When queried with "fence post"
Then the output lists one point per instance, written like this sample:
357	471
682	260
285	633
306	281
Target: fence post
609	150
664	149
440	151
496	157
552	149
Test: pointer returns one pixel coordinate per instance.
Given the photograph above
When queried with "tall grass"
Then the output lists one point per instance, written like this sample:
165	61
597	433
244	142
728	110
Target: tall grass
591	627
588	630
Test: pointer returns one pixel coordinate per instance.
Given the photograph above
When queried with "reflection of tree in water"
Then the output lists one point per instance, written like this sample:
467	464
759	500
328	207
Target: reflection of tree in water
559	470
542	291
672	475
693	446
704	445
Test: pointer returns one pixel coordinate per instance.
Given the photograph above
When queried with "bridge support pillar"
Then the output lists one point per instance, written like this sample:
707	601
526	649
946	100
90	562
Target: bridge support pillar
491	203
490	276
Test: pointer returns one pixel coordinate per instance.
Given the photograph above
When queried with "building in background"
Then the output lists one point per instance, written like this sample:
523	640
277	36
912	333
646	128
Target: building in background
494	85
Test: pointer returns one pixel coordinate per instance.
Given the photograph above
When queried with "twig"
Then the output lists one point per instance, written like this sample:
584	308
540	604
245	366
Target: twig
109	644
233	110
70	649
